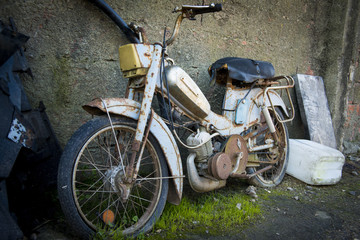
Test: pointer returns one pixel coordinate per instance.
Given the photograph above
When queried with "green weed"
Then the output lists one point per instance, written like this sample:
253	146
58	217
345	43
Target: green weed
212	213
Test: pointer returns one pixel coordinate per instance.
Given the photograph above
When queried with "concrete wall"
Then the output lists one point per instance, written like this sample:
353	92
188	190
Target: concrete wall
74	58
337	55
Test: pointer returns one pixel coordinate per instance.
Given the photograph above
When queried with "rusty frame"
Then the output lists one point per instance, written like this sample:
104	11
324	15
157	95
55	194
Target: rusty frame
131	172
248	176
176	29
261	97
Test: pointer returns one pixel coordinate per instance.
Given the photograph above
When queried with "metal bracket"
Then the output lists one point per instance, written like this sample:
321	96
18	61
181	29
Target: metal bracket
290	84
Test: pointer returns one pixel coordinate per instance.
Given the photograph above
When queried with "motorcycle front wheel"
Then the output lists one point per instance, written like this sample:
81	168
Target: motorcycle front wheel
277	156
92	191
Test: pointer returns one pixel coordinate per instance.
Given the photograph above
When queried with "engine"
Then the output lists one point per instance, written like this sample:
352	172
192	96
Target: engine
218	166
206	150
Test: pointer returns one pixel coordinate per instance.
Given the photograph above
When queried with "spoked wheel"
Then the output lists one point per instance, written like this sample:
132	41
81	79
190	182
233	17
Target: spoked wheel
92	189
277	156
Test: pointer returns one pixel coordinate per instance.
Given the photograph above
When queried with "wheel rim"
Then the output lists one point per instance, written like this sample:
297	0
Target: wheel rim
98	186
277	153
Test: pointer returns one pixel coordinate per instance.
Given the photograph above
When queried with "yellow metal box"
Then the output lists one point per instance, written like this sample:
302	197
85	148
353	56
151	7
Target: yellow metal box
135	59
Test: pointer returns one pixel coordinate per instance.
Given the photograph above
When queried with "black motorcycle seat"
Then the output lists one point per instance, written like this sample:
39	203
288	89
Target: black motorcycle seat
241	69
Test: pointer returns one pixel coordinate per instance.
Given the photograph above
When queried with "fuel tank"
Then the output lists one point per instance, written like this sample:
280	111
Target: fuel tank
186	92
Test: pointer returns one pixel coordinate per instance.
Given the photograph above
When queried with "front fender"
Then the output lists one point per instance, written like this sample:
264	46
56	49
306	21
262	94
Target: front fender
131	109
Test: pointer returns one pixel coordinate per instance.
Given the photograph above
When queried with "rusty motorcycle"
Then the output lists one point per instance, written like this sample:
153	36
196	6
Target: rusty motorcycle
119	169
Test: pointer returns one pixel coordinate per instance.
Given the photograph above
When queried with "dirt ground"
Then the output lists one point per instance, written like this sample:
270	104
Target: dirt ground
305	212
293	210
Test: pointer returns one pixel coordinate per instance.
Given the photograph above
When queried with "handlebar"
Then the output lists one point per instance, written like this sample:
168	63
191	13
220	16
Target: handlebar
189	11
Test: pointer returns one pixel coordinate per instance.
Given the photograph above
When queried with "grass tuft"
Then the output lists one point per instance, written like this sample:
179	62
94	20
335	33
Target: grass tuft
211	212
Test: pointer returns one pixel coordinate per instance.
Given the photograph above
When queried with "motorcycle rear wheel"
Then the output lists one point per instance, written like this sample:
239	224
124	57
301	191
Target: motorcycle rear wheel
275	175
91	182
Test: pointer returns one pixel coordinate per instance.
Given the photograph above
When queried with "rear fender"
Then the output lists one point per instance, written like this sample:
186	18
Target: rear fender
277	101
255	106
131	109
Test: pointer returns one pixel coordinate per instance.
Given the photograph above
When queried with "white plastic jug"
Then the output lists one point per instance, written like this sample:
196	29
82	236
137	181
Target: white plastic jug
314	163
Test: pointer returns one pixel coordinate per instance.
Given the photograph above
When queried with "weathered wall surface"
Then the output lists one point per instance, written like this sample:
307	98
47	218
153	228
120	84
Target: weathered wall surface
337	55
73	48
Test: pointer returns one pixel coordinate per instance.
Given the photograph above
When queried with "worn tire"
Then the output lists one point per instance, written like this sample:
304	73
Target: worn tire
273	177
74	200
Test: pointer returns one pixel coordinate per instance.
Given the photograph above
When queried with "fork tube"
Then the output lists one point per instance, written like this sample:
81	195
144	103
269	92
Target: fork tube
150	83
135	173
270	123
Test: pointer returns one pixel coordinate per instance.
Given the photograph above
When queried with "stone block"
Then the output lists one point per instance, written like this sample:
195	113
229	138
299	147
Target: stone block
314	109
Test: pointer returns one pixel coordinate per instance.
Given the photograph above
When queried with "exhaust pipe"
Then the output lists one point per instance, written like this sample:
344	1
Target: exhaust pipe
200	184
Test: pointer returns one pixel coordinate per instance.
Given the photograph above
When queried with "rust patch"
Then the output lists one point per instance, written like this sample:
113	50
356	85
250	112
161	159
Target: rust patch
261	171
261	129
135	146
253	122
96	107
144	35
248	176
220	166
148	56
235	148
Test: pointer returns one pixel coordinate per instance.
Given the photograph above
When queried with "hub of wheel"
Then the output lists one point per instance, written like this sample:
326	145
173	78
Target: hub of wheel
114	182
274	151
